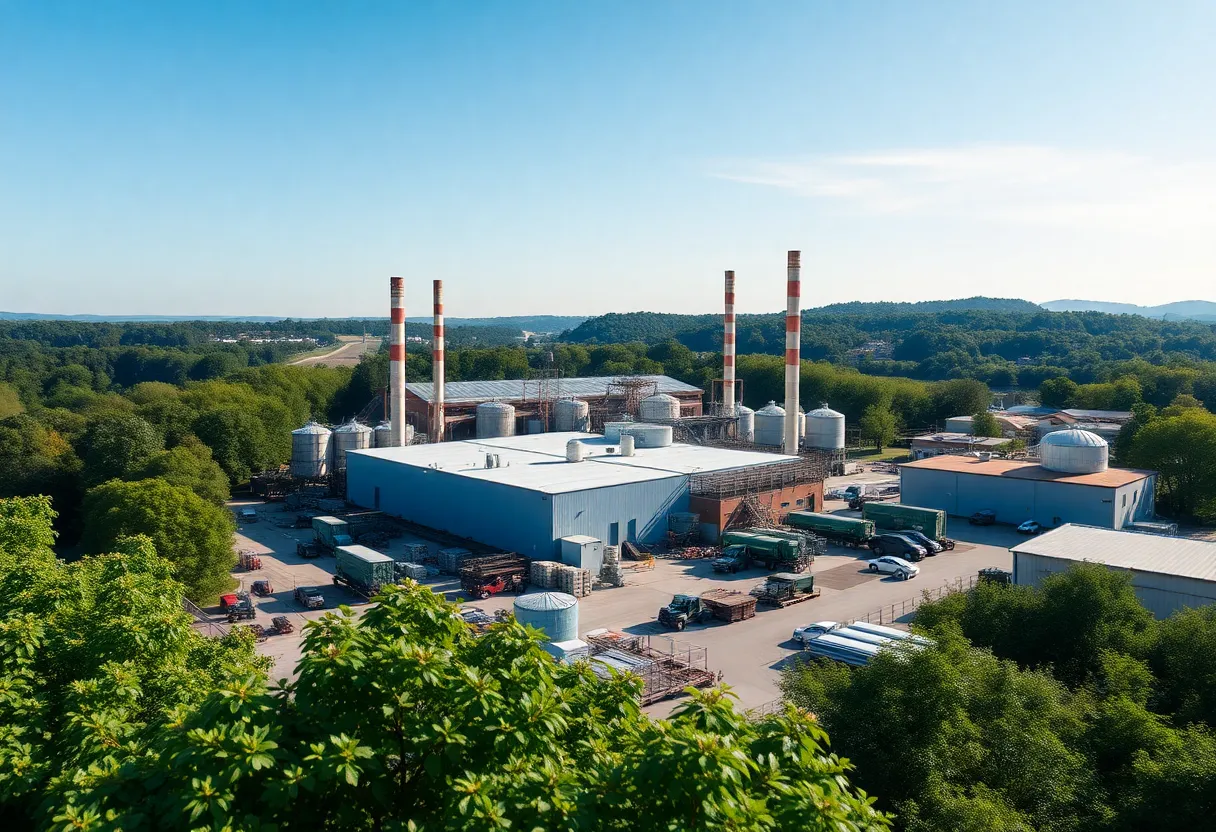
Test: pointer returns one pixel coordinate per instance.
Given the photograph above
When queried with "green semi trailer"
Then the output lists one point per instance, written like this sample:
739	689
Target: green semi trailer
847	531
741	549
895	517
362	569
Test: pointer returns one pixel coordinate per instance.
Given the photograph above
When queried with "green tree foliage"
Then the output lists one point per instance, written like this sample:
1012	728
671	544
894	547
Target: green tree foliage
984	423
117	446
10	401
237	439
38	460
878	426
189	465
960	397
191	533
1182	449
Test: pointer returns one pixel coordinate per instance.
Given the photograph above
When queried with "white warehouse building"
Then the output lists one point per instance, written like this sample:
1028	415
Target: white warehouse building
1167	573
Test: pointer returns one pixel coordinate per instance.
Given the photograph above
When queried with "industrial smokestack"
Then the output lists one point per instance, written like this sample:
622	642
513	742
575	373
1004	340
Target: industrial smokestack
728	349
437	424
396	362
793	340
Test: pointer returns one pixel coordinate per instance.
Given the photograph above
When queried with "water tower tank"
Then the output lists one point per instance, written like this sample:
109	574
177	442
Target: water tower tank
349	437
648	436
825	428
571	415
556	613
659	408
310	449
495	419
612	430
770	425
745	424
1074	452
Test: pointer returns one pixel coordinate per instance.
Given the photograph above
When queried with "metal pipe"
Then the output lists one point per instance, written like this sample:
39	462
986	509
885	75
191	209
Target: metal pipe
396	361
437	373
728	348
793	341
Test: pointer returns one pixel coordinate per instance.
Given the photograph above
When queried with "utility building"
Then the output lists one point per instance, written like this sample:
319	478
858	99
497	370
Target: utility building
526	493
1168	573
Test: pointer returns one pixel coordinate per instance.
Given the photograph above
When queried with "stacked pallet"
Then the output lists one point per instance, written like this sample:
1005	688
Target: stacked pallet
451	559
412	570
572	581
611	572
415	552
543	573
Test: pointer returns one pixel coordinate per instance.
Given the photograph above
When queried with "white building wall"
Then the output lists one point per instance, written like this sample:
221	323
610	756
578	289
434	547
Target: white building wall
1161	594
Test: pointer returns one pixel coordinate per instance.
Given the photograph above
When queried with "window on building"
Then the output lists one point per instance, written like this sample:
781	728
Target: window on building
614	534
1125	501
786	505
798	502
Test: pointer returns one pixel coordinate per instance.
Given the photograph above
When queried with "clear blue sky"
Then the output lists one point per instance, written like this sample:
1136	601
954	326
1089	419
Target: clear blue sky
585	157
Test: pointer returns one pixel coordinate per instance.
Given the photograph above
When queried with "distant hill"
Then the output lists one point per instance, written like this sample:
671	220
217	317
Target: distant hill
1199	310
530	323
857	307
131	319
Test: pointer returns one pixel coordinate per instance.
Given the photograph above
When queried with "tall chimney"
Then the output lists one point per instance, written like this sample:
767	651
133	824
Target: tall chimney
793	339
396	361
728	349
437	424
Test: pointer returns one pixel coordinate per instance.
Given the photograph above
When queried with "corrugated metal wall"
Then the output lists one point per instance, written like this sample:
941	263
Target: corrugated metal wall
1135	502
1160	594
647	504
1014	500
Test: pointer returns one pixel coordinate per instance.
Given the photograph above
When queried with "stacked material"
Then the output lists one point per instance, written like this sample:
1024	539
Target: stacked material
411	570
620	661
450	560
415	553
477	619
543	574
576	582
568	651
610	572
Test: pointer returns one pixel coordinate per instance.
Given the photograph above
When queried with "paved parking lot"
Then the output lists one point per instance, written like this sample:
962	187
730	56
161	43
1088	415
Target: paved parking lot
749	653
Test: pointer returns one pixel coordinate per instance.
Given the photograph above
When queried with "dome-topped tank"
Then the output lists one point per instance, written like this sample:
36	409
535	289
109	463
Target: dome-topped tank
352	436
310	451
495	419
648	436
825	428
659	408
745	423
1074	452
571	415
770	425
556	613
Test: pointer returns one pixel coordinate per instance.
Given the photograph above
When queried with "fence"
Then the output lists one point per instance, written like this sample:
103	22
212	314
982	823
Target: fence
891	613
204	623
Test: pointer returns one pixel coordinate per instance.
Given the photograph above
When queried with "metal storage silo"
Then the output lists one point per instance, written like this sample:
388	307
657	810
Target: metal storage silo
745	424
382	437
571	415
555	613
659	408
349	437
825	428
1074	452
310	450
648	436
770	425
801	425
495	419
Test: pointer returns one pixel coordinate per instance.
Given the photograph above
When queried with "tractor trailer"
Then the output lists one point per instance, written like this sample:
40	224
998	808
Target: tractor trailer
847	531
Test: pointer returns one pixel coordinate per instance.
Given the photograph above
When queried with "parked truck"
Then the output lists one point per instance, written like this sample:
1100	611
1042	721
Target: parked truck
362	569
492	574
723	604
760	546
847	531
785	589
896	517
331	532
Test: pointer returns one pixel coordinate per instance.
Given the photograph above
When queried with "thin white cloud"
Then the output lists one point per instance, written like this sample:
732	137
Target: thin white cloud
1023	184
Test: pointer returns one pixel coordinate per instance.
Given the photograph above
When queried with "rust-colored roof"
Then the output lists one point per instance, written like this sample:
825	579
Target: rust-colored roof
1022	470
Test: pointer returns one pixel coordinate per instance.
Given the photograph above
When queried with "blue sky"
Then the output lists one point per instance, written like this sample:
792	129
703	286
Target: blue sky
580	158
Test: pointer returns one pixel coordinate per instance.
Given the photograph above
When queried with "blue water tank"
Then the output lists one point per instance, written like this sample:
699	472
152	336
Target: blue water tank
555	613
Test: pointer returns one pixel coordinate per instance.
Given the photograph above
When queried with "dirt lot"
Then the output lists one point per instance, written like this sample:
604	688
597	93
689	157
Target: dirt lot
349	353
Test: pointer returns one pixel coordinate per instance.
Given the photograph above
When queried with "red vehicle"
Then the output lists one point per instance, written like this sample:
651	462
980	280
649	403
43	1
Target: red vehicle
490	575
262	588
484	589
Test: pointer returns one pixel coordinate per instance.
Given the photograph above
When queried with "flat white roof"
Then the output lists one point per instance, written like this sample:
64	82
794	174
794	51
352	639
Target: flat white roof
1138	551
457	392
537	461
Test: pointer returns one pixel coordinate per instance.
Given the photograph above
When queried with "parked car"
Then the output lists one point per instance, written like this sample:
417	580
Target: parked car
890	543
932	547
1030	527
310	597
890	565
982	518
248	515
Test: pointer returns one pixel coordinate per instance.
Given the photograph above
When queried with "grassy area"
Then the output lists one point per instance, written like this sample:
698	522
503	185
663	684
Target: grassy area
885	455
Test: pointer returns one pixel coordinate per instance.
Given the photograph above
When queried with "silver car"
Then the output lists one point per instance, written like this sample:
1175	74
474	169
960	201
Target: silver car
891	565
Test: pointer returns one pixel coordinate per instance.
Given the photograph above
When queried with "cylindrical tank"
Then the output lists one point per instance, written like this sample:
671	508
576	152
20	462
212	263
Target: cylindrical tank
495	419
574	451
745	423
627	443
349	437
1074	452
612	430
825	428
556	613
659	408
770	425
801	425
382	437
649	436
571	415
310	449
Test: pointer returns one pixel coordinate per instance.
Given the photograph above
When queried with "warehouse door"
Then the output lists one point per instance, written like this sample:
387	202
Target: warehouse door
631	533
376	499
614	534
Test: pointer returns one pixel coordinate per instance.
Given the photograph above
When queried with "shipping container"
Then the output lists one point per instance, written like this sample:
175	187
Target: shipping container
763	543
362	569
847	530
329	529
895	517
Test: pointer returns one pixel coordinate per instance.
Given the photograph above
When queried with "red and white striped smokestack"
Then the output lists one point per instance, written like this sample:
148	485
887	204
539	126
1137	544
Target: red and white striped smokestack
437	424
728	349
793	341
396	361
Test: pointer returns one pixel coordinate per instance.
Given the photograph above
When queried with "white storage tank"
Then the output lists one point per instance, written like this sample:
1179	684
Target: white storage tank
648	436
770	425
612	430
556	613
659	408
495	419
574	451
349	437
571	415
626	444
825	428
310	451
745	424
801	425
1074	452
